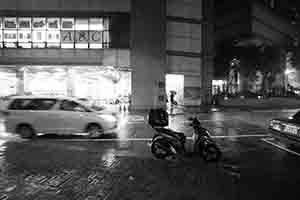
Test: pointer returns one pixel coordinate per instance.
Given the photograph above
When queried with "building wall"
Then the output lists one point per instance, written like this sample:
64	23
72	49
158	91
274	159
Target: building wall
183	42
66	5
268	24
148	27
111	57
208	52
186	26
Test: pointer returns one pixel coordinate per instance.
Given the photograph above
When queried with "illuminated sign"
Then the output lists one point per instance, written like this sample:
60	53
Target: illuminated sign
67	36
54	32
39	23
10	22
95	37
53	23
82	36
24	23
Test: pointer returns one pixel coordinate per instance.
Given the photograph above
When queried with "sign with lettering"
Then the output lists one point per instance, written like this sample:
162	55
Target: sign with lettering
24	23
53	23
63	32
81	36
10	22
95	37
67	23
39	23
67	36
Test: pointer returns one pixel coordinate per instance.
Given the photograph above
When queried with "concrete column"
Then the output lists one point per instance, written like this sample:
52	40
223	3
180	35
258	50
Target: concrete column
70	84
20	74
147	58
208	51
283	67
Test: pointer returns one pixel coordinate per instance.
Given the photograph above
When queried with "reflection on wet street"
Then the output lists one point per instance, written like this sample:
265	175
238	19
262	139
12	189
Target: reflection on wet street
120	165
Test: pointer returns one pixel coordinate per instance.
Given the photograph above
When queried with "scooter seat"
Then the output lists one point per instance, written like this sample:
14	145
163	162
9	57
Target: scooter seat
179	135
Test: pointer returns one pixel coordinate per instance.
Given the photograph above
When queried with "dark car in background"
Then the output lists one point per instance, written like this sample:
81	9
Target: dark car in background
286	128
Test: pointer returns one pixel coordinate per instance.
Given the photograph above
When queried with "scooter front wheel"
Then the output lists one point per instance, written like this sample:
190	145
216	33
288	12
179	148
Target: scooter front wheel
211	153
161	148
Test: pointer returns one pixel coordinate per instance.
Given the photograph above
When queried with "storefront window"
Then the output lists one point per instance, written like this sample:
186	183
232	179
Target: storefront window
98	83
45	80
54	32
8	82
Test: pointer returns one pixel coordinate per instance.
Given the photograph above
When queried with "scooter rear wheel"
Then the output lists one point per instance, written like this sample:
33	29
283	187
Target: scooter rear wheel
211	153
161	148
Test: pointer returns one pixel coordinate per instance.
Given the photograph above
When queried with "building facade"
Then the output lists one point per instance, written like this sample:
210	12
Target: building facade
258	29
108	49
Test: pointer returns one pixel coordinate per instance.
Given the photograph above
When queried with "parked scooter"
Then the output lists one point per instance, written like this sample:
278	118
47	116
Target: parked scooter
168	143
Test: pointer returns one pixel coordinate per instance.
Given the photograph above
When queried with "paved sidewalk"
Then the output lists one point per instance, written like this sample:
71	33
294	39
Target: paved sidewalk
41	170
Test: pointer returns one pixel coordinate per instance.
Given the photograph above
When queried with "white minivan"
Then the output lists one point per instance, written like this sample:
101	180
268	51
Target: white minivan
31	115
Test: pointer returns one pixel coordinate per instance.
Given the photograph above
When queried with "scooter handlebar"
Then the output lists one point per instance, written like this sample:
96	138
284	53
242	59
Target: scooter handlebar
195	121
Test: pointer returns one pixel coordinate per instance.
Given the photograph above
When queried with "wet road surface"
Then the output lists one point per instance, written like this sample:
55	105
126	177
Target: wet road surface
120	165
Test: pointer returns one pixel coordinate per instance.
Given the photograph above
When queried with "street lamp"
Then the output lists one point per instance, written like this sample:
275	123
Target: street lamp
287	72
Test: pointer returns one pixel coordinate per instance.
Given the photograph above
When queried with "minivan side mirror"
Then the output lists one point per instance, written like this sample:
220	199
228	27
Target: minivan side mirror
79	109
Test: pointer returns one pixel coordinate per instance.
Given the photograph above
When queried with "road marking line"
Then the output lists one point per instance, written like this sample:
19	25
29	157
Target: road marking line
206	120
100	140
136	122
240	136
134	139
281	147
149	139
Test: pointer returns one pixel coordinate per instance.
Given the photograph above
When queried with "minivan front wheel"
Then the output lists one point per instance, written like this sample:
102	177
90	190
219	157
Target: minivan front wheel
25	131
94	130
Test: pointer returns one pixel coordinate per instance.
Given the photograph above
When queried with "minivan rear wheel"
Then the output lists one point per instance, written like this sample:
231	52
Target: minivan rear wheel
94	130
25	131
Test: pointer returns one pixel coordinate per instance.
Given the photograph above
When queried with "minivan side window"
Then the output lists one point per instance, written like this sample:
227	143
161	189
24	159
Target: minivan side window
32	104
72	106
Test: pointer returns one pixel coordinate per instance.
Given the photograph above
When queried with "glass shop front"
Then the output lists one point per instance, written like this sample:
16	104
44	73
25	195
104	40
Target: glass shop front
101	84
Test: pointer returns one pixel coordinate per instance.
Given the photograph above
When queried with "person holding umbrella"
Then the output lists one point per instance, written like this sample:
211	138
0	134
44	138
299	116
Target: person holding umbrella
172	98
